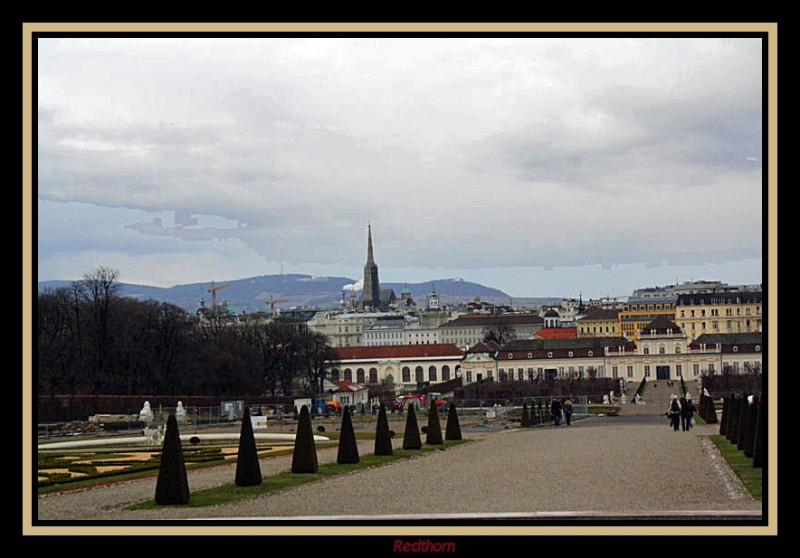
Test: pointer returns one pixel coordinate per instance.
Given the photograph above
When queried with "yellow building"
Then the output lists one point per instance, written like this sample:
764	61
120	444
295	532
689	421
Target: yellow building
638	312
712	313
599	322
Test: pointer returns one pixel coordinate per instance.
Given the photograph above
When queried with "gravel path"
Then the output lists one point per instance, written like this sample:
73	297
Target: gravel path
607	465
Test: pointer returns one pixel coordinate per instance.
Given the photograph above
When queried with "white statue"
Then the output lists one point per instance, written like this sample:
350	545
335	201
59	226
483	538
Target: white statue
155	436
611	397
605	400
146	414
180	413
623	399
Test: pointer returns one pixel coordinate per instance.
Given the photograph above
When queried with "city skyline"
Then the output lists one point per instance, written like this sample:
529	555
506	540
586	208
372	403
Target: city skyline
541	167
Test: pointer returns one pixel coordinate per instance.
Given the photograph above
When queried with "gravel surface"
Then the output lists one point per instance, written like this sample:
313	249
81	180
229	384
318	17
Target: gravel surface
610	465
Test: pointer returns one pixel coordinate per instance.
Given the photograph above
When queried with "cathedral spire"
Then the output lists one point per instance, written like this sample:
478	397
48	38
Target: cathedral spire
370	258
371	292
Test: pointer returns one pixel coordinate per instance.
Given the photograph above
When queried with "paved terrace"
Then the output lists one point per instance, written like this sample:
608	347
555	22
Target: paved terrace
632	465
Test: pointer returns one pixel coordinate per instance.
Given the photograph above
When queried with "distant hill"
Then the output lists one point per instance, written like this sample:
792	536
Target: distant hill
251	294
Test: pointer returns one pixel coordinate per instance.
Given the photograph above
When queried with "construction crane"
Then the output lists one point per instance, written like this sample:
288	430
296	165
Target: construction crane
273	301
213	290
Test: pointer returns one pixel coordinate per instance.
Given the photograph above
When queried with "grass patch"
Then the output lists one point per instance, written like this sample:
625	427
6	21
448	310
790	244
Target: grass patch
741	465
232	493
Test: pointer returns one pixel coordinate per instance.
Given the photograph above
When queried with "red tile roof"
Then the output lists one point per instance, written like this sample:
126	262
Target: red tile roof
556	333
398	351
345	386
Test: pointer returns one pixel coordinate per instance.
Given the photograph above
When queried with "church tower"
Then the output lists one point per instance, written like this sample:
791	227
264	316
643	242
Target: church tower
371	295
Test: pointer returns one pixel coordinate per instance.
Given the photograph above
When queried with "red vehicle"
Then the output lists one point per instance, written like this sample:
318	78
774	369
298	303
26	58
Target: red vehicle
419	401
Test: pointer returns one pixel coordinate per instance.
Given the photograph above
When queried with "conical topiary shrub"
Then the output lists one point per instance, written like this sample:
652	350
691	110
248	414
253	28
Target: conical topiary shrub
411	438
434	434
733	420
741	419
248	470
711	411
744	424
534	414
452	430
749	436
723	422
758	435
526	418
383	439
348	448
304	457
172	487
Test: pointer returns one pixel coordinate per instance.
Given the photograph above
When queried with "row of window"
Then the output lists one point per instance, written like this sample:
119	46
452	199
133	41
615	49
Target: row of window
728	312
419	374
729	324
613	329
642	307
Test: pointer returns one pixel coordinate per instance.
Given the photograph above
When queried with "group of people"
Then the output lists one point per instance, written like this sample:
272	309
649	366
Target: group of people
557	409
680	413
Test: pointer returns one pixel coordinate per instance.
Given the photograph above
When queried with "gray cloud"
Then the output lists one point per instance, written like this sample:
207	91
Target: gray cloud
463	153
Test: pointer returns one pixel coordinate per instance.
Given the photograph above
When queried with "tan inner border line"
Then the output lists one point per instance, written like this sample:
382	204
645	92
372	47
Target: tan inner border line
402	27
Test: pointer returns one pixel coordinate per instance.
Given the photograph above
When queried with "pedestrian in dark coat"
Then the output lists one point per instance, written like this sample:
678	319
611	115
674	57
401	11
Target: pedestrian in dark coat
568	412
687	412
674	413
555	411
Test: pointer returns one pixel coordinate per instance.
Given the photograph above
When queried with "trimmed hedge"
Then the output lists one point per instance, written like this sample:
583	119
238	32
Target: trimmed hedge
434	434
383	438
172	487
248	470
452	429
348	447
304	456
411	437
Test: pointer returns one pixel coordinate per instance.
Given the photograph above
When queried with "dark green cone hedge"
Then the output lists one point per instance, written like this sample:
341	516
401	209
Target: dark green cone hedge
452	430
750	435
172	487
526	418
711	411
248	470
411	437
726	411
304	457
383	439
348	447
758	435
434	434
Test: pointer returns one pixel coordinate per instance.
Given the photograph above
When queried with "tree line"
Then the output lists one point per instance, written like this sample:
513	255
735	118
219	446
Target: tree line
92	340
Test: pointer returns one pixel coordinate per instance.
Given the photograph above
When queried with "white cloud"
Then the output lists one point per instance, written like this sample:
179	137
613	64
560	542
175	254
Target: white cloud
463	152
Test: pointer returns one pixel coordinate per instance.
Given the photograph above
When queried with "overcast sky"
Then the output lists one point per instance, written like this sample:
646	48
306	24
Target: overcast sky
539	166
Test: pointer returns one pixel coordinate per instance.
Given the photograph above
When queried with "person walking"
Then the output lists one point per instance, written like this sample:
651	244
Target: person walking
674	413
555	411
568	412
687	412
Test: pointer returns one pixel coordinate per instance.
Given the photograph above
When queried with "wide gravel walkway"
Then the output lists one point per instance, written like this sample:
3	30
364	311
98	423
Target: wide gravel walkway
608	465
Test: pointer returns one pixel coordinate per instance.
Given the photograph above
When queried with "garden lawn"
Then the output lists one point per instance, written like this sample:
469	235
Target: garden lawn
741	465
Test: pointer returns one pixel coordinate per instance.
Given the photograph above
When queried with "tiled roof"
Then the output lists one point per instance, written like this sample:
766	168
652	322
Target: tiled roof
495	320
576	343
556	333
730	339
488	347
599	314
398	351
345	386
661	325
